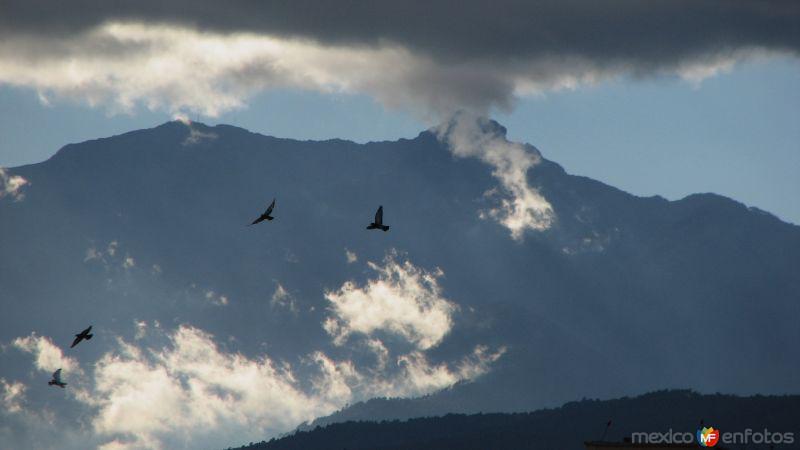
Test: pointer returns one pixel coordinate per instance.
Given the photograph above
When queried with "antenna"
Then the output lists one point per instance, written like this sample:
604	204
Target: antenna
608	425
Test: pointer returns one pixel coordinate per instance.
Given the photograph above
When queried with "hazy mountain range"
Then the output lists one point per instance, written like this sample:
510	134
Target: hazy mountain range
141	233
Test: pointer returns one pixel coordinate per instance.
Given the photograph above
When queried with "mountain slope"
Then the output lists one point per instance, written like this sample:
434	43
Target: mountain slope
566	427
623	295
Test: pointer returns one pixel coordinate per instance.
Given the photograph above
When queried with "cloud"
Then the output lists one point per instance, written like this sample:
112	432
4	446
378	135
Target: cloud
183	388
216	299
177	69
195	135
92	254
523	207
402	300
350	256
141	329
11	185
423	377
13	395
474	29
210	58
26	423
111	258
283	299
379	350
190	392
48	356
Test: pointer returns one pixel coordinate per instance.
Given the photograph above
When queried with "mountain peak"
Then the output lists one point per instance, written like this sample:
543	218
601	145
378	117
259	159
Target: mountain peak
484	125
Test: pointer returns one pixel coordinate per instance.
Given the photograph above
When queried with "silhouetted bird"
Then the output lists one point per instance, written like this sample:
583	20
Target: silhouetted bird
266	215
378	223
81	336
56	381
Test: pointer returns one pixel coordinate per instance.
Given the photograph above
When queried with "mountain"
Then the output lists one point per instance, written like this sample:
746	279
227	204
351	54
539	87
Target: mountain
622	295
566	427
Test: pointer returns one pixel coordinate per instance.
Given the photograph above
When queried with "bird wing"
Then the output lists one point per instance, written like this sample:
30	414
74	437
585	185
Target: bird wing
270	208
86	331
78	338
379	216
57	376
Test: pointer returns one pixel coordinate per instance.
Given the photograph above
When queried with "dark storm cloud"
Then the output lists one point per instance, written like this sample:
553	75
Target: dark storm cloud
650	32
429	57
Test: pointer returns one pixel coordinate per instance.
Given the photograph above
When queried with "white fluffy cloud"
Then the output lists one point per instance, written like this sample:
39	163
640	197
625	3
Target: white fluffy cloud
47	355
11	185
191	391
13	395
402	300
522	207
122	65
183	389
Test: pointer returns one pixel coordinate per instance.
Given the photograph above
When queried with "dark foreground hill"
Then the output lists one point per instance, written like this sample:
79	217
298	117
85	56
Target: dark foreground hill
564	428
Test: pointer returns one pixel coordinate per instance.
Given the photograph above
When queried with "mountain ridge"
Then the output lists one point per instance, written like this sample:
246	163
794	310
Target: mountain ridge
565	427
428	134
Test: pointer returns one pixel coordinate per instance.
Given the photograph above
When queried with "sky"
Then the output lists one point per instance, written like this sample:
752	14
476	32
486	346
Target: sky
667	97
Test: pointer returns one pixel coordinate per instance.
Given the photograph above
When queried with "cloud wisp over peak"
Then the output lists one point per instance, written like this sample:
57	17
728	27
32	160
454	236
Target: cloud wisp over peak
521	206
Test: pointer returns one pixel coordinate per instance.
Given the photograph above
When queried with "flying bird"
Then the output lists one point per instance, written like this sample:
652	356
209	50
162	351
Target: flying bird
81	336
56	381
378	223
266	215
